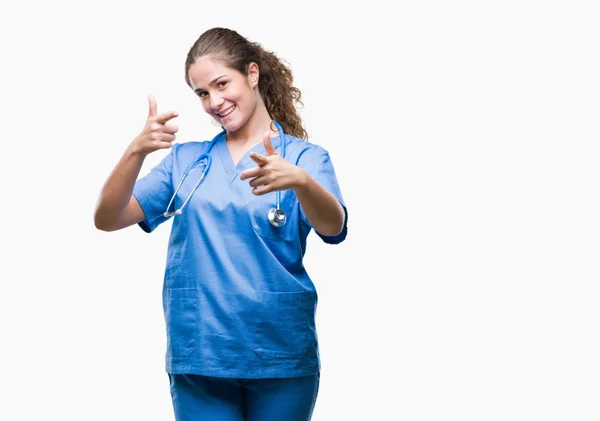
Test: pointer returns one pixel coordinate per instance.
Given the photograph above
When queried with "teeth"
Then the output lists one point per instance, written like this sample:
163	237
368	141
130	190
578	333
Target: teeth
227	111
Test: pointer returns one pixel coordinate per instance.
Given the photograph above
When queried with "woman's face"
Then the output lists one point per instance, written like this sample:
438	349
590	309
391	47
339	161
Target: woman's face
226	94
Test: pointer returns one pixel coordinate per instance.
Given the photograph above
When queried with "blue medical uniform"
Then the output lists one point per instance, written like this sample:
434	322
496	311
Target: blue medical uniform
216	398
238	301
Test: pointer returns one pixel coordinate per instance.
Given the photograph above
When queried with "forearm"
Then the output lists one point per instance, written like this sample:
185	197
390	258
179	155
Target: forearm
322	209
116	192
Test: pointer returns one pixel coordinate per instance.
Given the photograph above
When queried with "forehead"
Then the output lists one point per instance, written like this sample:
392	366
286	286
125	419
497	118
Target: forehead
206	69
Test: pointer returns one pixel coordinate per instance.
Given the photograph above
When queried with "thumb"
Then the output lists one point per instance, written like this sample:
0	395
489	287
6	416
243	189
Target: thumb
268	145
152	106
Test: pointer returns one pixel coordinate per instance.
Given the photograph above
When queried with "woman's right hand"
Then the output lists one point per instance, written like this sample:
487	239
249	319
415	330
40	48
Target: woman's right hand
157	134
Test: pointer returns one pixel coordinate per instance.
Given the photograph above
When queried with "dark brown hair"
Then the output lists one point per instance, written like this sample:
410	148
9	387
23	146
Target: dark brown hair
275	82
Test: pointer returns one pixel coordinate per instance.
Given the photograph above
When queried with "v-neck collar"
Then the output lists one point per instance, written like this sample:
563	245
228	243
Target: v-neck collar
233	171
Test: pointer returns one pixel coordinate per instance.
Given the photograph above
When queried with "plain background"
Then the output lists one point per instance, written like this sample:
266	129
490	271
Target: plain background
465	138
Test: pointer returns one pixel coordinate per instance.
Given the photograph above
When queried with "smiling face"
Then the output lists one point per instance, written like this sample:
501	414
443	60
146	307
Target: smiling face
226	94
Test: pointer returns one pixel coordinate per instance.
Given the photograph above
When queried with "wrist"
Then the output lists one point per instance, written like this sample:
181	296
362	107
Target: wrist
135	151
301	178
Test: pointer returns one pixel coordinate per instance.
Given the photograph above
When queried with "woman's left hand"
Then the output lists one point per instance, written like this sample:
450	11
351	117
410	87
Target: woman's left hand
273	172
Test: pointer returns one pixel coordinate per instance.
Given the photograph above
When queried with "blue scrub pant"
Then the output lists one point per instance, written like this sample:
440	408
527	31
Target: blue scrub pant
200	398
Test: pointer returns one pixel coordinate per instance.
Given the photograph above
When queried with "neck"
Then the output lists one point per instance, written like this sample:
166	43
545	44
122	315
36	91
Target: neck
253	131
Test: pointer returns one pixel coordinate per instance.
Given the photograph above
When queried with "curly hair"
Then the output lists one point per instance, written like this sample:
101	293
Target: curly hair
275	83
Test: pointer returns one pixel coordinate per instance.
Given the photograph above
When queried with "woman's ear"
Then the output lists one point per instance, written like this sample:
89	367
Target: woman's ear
253	73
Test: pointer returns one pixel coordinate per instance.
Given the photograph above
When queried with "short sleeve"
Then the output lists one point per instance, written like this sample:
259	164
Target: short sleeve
154	191
321	169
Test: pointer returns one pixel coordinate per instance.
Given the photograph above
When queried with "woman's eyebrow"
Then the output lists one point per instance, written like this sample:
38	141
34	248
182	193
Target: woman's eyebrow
211	83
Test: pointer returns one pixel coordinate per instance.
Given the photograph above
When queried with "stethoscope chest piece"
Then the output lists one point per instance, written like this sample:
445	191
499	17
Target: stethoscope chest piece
277	217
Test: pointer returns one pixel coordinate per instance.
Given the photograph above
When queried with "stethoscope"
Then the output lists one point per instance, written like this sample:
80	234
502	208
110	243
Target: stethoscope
276	216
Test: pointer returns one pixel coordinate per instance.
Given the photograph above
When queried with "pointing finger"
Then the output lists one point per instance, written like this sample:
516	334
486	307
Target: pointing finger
259	159
163	118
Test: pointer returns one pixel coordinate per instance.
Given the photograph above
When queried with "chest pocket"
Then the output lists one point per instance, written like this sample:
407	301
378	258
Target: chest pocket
259	209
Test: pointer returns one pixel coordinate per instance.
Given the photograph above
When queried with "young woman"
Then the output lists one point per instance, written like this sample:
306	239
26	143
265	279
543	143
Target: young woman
239	305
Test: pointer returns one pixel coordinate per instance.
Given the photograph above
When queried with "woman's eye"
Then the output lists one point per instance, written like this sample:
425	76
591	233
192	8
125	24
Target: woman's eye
204	94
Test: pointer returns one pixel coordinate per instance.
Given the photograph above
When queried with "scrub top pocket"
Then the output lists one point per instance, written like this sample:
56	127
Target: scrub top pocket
282	324
259	209
181	316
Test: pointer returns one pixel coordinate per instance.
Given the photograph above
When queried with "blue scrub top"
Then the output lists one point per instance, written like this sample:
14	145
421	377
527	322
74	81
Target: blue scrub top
238	301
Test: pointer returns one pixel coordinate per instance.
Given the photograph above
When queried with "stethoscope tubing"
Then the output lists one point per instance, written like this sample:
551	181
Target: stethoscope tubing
276	216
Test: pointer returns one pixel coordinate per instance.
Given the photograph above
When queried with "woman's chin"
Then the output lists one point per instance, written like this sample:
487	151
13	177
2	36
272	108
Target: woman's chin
230	126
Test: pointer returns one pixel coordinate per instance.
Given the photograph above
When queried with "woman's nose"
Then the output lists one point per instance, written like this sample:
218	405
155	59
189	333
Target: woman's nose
215	102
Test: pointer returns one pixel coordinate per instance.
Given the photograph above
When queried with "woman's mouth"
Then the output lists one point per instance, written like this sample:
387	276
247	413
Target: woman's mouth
223	114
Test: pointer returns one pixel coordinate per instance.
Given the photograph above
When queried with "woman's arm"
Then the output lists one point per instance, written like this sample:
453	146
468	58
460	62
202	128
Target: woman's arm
116	207
322	209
